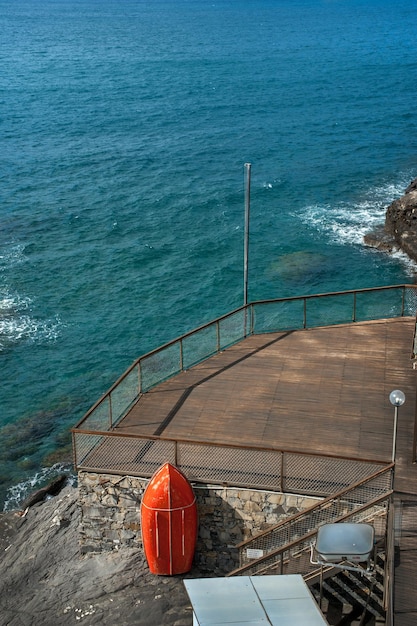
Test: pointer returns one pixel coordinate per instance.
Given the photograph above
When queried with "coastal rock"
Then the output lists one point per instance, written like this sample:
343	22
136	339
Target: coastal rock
45	580
400	229
52	489
380	239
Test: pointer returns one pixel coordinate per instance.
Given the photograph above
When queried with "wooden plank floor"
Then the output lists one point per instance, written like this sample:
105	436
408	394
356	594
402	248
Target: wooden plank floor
324	390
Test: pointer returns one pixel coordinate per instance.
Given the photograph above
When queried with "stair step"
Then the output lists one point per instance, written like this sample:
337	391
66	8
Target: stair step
356	594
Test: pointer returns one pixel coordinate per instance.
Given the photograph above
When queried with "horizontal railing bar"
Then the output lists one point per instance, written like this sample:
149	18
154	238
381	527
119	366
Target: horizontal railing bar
206	444
333	293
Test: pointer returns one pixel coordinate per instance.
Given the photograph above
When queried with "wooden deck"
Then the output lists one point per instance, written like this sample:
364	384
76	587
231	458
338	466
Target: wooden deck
324	390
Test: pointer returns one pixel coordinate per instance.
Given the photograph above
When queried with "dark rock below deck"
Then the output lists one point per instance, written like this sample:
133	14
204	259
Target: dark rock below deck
45	581
400	229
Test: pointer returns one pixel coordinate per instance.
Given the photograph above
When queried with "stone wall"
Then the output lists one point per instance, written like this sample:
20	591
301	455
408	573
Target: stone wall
110	516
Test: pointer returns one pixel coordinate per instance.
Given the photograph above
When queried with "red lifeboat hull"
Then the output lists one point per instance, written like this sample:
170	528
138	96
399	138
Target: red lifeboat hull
169	522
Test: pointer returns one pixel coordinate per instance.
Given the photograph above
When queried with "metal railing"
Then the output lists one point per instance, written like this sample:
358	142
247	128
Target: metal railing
389	566
280	315
333	508
294	557
231	465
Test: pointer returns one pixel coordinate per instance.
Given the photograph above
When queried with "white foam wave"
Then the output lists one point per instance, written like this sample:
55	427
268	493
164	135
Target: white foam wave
17	324
348	222
17	493
12	255
409	265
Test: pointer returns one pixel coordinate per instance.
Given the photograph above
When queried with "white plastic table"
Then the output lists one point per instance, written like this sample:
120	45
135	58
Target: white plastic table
253	601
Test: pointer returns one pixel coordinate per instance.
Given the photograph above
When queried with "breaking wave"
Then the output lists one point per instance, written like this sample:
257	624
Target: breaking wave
16	494
348	222
18	324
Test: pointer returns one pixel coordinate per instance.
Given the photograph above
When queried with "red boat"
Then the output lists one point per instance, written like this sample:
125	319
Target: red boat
169	522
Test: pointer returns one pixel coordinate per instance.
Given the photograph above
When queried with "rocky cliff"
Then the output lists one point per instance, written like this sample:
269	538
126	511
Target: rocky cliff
400	229
46	581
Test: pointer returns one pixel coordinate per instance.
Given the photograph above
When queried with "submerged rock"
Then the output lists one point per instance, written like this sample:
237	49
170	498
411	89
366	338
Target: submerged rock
295	266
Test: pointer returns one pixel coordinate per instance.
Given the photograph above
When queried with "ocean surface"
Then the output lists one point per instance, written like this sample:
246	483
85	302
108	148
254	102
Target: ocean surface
125	126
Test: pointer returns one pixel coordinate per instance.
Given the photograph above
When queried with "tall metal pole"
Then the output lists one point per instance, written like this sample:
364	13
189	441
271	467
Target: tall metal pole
394	438
246	245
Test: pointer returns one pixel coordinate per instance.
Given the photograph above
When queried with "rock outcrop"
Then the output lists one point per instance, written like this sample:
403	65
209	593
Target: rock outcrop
46	581
400	229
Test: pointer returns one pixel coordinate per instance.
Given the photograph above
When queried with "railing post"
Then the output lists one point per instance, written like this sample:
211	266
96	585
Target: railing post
282	485
139	377
74	451
181	357
354	308
403	302
110	413
218	336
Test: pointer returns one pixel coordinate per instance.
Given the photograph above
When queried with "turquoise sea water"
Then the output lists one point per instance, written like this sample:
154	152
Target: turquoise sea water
124	129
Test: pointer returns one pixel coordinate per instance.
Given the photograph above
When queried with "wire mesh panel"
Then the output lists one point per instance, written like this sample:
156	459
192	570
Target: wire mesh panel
276	316
410	301
159	366
291	530
370	489
100	417
230	466
124	394
261	556
233	328
322	476
378	304
127	455
84	445
329	310
199	346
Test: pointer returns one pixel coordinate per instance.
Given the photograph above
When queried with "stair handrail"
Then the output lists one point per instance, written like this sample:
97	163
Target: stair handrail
322	505
274	554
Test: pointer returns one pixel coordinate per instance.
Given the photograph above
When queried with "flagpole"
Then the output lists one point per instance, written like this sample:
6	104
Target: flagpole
246	243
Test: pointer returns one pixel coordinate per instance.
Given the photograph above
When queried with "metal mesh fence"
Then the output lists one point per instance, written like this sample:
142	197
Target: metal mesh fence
231	466
371	305
84	446
410	301
293	554
329	310
127	455
319	475
233	328
123	396
329	511
200	345
99	417
278	316
160	366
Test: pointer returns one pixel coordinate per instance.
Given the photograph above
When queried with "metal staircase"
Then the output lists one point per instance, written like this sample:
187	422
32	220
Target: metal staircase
285	549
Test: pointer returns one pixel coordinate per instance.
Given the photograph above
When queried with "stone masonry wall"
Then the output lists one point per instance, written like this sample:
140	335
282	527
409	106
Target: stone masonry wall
110	516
